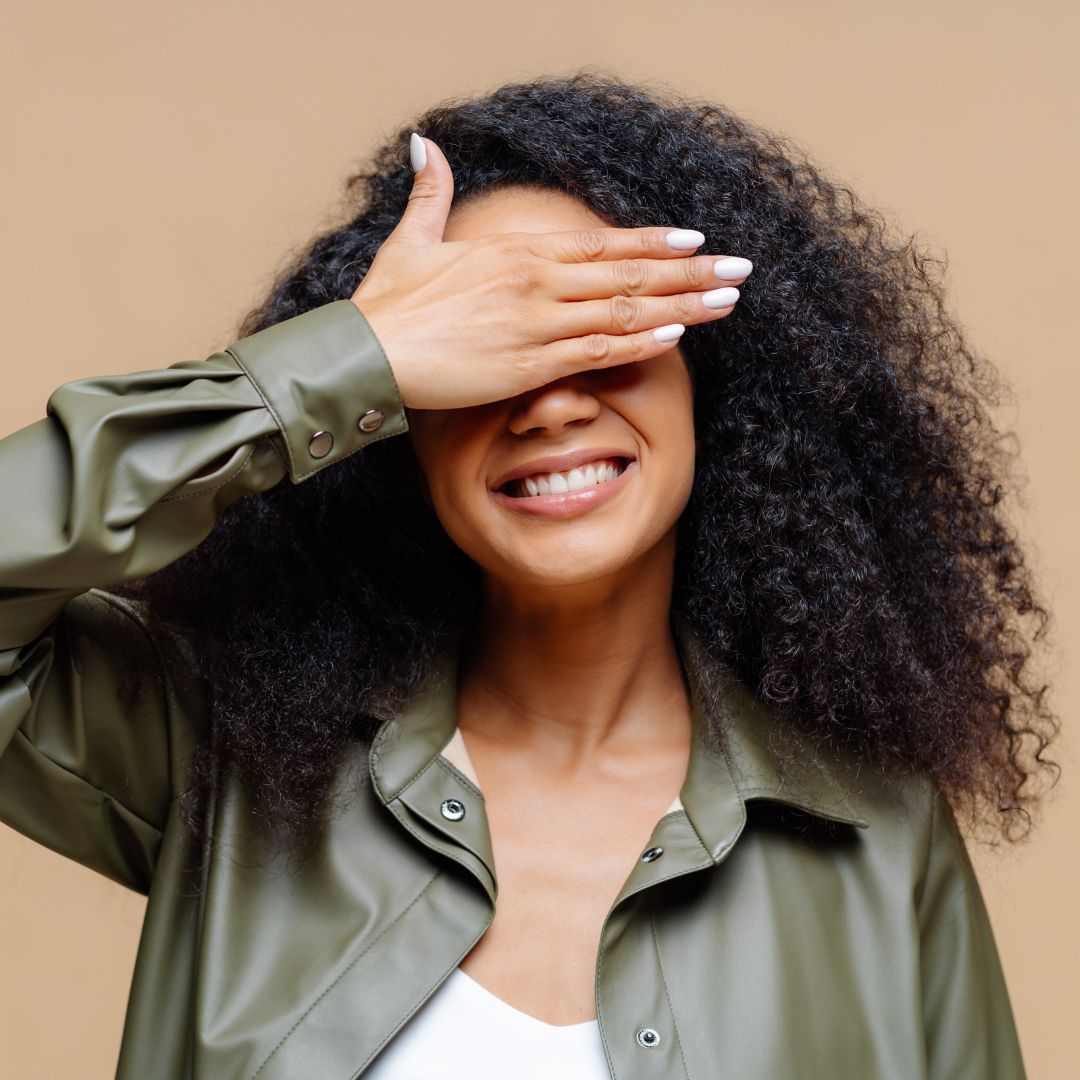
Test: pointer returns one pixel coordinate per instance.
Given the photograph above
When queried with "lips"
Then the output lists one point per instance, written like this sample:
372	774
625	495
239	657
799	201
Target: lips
568	504
562	462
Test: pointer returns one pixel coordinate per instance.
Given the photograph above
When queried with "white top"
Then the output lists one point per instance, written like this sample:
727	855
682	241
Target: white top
464	1032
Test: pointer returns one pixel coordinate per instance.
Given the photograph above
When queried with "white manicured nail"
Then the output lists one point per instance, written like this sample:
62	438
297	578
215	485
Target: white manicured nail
417	153
685	239
719	298
671	332
732	268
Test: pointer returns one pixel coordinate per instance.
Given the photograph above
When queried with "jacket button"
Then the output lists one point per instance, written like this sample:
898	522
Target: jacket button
651	854
452	809
371	420
320	444
648	1037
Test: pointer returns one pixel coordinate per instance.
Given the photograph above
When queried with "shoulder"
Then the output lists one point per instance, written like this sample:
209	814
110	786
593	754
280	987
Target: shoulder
911	830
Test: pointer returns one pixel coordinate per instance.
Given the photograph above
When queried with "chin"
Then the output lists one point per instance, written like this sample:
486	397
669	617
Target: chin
562	564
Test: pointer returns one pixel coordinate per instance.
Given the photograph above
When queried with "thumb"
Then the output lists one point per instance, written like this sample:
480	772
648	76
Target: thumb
432	193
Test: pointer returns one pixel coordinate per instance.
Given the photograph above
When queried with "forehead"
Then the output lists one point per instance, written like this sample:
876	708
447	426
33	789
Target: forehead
519	209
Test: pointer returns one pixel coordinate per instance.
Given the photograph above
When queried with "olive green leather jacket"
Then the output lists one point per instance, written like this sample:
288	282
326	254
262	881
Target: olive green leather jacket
810	929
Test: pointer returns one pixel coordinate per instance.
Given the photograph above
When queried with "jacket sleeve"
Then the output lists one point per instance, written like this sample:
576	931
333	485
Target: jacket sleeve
968	1019
122	476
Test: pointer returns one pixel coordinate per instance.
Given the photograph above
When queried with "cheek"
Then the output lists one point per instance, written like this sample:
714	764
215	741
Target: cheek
451	484
682	458
669	432
663	413
449	451
437	444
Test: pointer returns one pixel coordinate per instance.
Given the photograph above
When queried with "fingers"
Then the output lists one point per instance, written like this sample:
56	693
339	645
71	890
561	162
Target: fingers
570	355
641	277
632	293
426	211
602	244
632	314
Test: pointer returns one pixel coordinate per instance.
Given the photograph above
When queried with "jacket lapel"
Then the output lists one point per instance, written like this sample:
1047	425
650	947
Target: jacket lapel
819	785
416	781
420	760
422	775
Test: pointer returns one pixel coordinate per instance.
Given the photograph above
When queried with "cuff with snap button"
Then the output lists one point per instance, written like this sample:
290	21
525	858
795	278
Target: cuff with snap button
326	380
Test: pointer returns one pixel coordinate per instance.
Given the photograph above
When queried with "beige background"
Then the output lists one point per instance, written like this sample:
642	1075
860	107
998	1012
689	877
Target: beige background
161	160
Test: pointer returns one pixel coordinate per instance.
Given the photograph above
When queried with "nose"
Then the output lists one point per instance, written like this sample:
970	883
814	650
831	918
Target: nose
552	407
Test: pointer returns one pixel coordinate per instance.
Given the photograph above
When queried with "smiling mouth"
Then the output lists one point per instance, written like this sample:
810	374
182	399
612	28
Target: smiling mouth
592	474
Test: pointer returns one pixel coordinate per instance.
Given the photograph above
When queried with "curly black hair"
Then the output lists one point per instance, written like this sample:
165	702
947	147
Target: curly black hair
844	552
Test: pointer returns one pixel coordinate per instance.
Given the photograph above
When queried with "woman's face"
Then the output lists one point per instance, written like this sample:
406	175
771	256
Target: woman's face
639	414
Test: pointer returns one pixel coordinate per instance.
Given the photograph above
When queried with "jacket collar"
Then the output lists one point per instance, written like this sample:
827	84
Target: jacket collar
716	787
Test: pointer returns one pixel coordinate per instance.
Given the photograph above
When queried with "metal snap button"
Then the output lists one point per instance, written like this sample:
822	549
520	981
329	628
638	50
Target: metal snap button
651	854
371	420
452	809
320	444
648	1037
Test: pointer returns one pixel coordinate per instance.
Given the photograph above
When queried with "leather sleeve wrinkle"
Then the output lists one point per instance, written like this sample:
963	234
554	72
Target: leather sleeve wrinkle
127	809
122	476
90	826
92	759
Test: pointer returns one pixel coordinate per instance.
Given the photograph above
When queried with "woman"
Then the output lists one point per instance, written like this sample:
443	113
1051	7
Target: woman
685	648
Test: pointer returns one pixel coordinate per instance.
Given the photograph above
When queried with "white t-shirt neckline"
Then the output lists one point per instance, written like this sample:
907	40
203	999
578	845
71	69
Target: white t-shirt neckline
465	1032
504	1012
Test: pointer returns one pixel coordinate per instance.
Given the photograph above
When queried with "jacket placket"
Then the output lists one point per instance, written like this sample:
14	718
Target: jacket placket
444	810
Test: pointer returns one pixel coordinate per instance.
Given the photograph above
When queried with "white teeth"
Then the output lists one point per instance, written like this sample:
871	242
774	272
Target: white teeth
574	480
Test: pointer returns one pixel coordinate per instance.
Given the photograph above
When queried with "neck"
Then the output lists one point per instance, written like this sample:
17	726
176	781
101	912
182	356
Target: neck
571	673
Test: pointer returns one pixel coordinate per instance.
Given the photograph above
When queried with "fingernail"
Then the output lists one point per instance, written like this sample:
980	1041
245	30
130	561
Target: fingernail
685	239
417	153
719	298
671	332
732	269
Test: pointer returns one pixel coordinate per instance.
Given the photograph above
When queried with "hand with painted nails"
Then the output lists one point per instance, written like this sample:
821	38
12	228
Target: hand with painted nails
471	321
